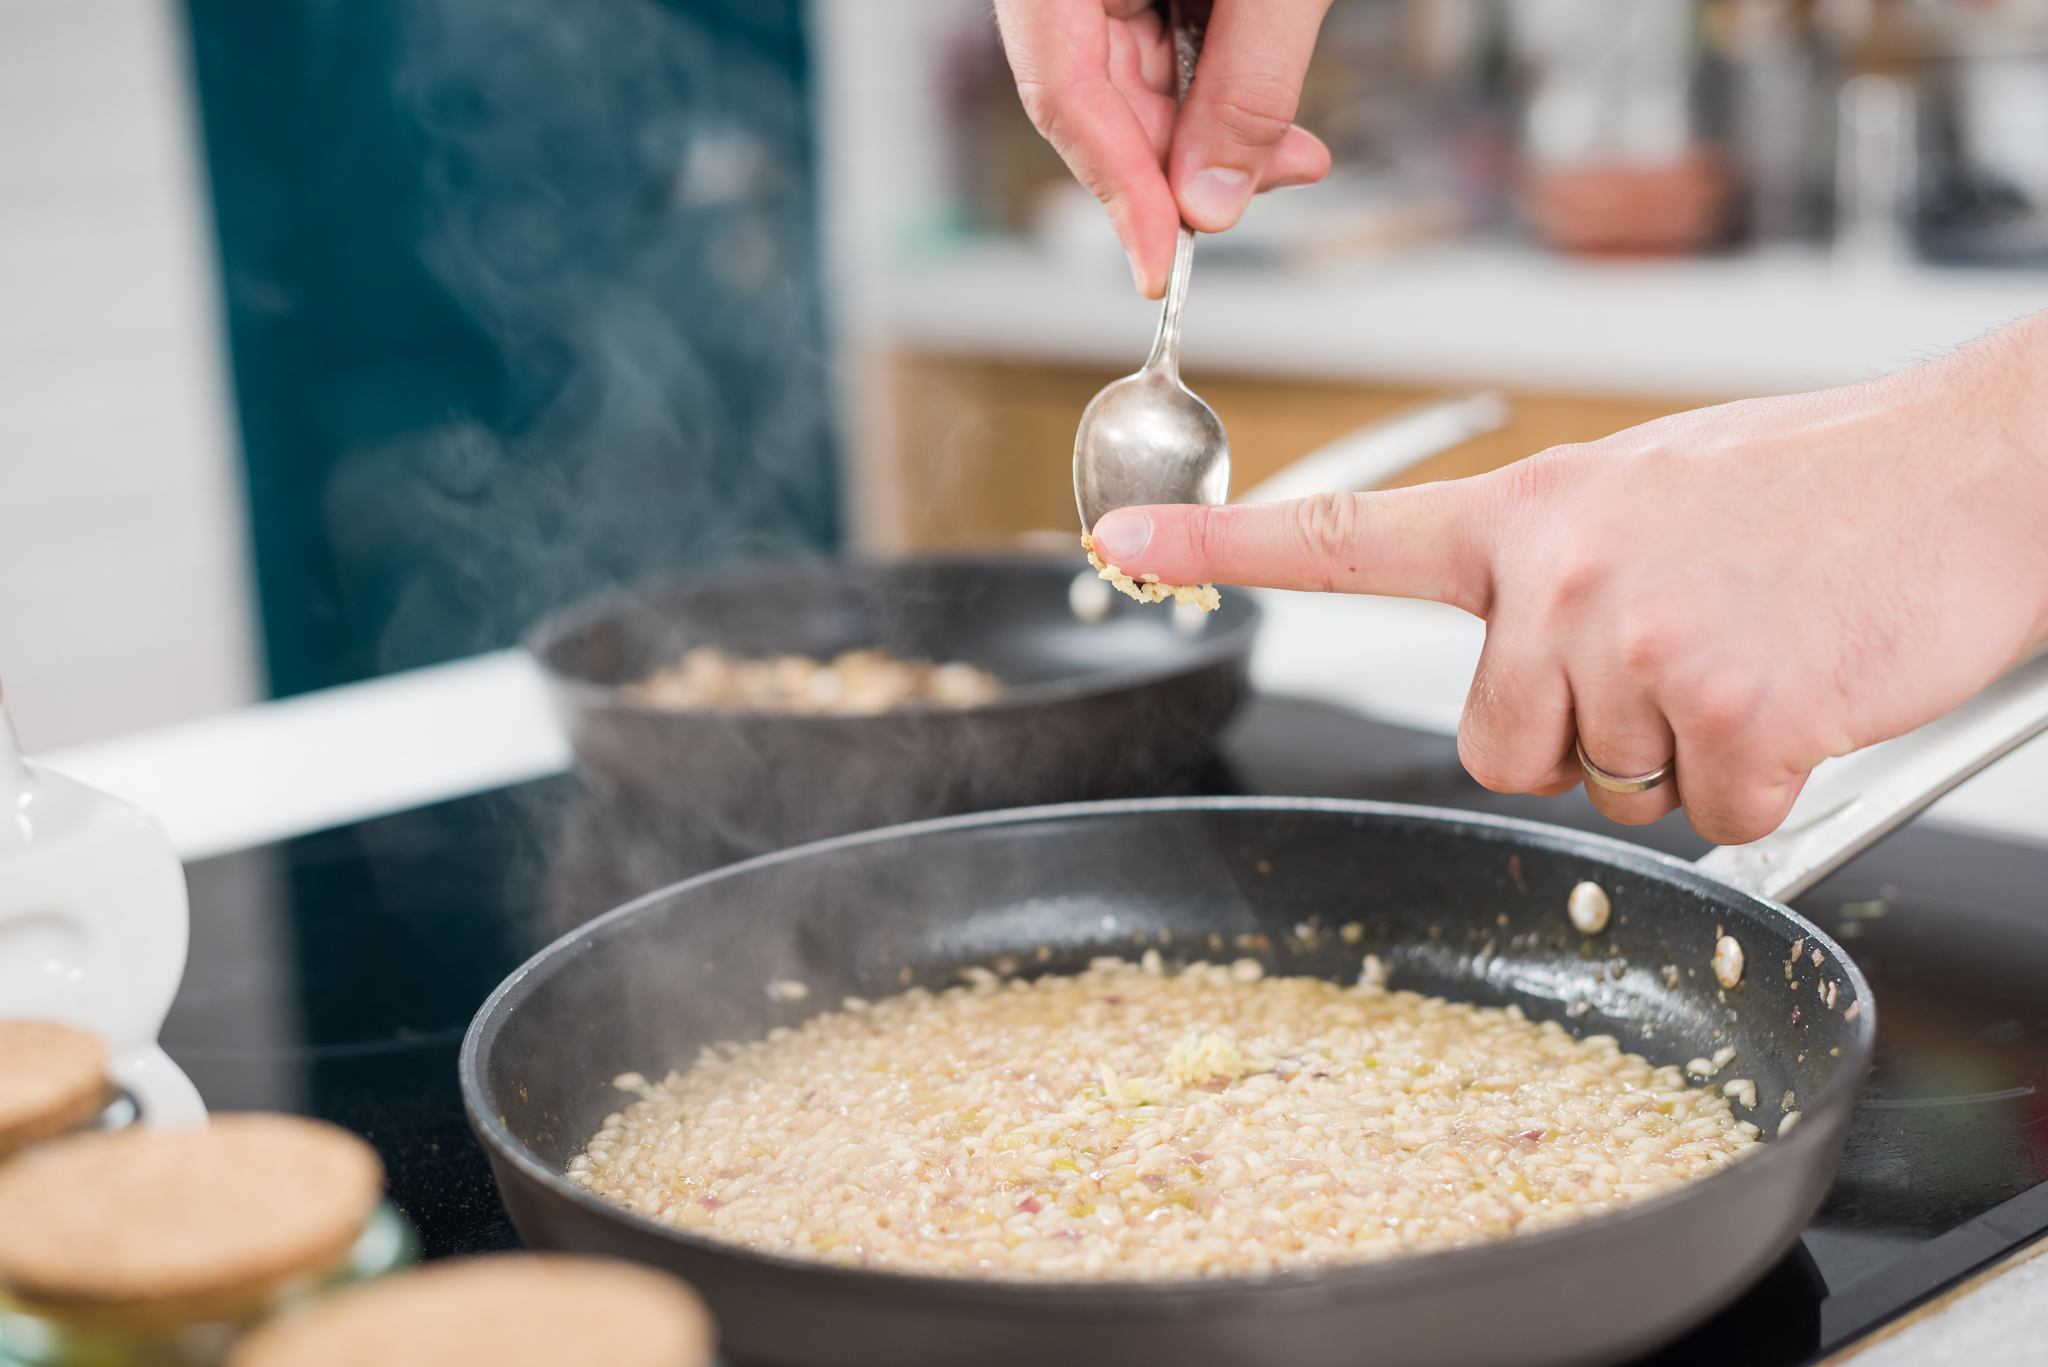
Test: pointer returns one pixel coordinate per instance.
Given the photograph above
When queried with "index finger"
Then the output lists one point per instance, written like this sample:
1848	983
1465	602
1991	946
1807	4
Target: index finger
1423	542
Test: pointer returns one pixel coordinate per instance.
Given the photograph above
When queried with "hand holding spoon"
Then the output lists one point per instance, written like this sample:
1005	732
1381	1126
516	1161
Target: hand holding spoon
1148	438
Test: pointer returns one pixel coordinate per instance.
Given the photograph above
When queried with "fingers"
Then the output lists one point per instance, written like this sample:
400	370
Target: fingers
1105	121
1740	811
1428	541
1532	705
1623	731
1239	114
1300	158
1159	66
1141	70
1098	80
1636	809
1736	783
1515	733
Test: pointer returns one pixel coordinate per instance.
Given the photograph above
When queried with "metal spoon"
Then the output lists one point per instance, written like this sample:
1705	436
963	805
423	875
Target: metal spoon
1148	438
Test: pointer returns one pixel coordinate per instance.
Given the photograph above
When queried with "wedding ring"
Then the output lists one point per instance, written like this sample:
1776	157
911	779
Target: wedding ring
1617	783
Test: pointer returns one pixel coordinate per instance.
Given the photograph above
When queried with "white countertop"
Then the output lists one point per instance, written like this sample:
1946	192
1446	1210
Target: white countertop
1476	314
279	769
1998	1318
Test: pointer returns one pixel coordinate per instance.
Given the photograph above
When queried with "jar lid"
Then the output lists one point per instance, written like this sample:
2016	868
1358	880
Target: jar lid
146	1228
53	1078
500	1310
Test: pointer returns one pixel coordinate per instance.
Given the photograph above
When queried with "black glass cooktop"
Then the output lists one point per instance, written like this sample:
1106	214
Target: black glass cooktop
334	975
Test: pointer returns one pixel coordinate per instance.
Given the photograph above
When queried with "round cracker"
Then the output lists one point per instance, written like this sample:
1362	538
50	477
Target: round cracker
53	1078
501	1310
170	1226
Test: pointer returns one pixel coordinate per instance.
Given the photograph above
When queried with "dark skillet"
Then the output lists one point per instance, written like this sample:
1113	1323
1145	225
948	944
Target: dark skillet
1464	906
1108	708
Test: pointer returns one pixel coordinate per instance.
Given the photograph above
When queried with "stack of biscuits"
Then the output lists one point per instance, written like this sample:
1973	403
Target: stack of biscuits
263	1241
501	1310
53	1078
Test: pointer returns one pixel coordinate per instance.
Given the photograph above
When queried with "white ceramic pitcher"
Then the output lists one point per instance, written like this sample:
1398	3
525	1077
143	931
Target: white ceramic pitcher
93	924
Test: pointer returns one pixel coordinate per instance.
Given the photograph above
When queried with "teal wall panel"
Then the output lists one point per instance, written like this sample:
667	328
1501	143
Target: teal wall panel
523	302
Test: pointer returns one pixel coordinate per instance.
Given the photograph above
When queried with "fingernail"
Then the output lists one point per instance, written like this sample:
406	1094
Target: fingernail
1121	536
1137	276
1215	198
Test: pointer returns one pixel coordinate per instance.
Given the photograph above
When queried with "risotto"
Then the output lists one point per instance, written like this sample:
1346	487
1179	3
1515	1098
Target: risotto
856	683
1135	1122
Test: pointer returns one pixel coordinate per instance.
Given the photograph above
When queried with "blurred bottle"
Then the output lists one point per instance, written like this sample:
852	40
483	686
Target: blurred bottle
1778	118
1877	52
1617	127
1983	138
1616	163
1874	169
999	169
1941	145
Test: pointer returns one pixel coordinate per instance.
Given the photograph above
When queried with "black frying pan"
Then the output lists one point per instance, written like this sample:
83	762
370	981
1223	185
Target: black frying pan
1096	706
1469	907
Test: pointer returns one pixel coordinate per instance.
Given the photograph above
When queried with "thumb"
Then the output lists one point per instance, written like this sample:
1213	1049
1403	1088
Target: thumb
1235	135
1428	541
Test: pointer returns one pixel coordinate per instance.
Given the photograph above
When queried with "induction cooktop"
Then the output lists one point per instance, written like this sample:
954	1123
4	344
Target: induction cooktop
334	975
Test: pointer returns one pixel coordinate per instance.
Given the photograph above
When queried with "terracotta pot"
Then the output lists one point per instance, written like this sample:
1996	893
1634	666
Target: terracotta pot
1626	209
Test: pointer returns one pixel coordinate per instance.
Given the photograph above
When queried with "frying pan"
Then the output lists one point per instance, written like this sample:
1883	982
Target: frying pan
1461	905
1093	705
1105	698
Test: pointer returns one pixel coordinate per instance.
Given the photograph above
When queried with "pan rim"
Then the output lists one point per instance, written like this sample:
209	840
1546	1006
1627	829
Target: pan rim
1230	643
1331	1281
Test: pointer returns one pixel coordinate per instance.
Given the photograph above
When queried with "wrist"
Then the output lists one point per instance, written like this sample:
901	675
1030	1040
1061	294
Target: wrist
2007	402
1967	462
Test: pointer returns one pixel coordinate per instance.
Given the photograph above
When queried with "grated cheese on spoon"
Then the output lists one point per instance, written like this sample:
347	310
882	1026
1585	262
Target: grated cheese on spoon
1148	589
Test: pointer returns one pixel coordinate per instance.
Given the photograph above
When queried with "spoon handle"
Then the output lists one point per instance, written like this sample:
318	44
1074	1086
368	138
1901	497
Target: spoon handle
1188	20
1165	357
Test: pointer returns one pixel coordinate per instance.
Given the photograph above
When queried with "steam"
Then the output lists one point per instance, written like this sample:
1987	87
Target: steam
618	201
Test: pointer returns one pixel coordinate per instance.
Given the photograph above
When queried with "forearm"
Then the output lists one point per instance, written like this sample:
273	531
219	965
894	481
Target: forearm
1983	410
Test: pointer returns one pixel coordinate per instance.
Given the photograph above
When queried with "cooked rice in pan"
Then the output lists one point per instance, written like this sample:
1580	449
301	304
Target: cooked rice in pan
855	683
1132	1122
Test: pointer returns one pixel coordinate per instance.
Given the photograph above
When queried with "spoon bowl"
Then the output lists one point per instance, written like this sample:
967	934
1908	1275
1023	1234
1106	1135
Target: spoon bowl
1148	438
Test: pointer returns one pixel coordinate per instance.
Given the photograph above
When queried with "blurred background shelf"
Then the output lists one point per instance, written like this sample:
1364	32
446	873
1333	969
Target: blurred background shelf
1836	153
991	351
1507	315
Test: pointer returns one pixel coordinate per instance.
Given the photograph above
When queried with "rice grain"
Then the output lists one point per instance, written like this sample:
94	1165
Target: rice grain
1128	1122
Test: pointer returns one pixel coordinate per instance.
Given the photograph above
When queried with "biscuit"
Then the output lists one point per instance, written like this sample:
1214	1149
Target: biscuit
501	1310
149	1228
53	1078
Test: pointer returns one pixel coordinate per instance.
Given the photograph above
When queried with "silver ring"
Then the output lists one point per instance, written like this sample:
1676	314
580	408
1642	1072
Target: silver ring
1617	783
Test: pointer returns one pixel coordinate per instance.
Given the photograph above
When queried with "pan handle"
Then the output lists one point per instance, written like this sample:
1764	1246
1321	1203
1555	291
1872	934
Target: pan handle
1849	804
1378	451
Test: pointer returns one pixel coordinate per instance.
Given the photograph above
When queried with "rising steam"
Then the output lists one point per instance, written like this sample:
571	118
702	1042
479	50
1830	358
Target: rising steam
619	199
